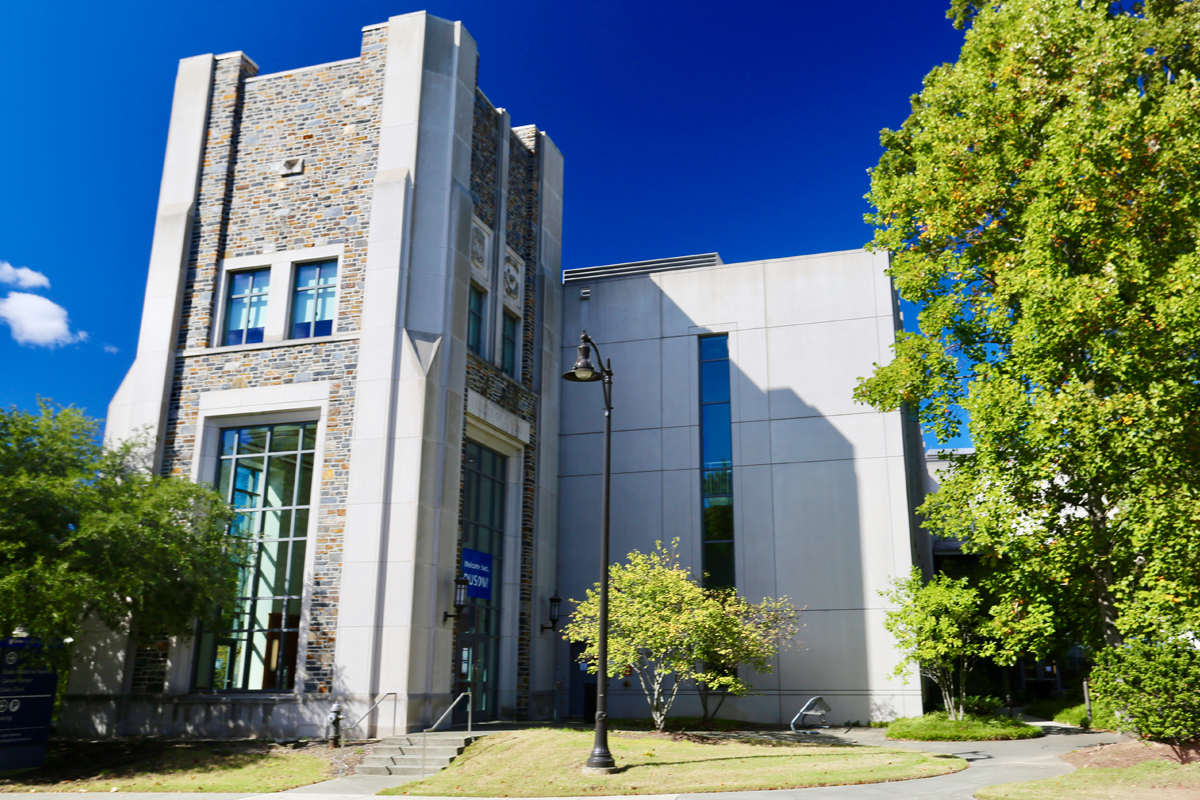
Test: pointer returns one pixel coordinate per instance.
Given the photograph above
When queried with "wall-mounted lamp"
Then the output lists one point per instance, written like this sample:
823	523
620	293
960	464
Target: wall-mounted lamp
460	597
555	602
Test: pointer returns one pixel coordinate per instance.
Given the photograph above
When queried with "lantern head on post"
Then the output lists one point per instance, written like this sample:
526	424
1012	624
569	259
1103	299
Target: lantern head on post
460	597
583	371
555	602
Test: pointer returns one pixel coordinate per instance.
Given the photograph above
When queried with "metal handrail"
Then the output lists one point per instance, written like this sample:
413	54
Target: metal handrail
369	710
342	737
424	733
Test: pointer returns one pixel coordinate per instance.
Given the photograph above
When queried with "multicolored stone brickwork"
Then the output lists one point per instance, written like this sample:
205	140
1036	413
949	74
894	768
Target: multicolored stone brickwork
485	163
335	362
330	116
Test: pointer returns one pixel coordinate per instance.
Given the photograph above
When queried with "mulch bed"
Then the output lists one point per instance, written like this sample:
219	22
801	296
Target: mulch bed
1122	754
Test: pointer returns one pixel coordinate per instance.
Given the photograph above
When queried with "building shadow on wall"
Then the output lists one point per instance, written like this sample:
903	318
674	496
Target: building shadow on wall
798	527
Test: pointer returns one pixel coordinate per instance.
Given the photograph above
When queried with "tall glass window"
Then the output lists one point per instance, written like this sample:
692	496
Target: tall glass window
716	454
482	552
266	474
475	320
314	299
508	359
246	306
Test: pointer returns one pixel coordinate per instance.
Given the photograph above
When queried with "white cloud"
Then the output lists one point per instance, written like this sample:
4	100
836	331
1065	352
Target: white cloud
110	348
22	277
36	321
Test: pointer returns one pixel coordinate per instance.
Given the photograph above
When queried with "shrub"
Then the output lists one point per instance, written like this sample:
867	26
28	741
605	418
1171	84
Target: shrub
981	705
1155	688
937	727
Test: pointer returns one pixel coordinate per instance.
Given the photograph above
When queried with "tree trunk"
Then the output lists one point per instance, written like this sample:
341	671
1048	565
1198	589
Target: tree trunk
1104	576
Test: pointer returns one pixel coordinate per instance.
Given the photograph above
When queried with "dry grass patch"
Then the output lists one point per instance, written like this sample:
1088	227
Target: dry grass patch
1149	780
158	766
547	762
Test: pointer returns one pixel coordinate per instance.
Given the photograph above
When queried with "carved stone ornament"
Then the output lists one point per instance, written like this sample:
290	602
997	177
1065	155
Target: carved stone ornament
512	278
478	247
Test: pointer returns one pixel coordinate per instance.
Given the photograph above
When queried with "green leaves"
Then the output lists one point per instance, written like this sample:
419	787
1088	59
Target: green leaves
1155	686
86	532
1040	203
669	629
938	628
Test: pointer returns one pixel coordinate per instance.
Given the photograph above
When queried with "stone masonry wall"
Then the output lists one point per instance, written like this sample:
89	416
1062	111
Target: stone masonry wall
328	115
484	160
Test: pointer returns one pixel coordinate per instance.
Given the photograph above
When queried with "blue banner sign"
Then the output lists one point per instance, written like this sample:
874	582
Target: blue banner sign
26	705
477	567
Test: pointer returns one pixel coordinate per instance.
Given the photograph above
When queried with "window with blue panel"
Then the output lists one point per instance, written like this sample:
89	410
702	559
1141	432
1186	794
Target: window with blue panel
716	467
475	320
314	299
246	306
509	355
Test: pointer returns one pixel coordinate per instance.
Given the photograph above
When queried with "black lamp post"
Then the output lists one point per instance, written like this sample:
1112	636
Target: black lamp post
601	759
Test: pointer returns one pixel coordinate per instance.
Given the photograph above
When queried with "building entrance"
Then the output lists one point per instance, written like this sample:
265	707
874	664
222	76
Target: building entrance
481	562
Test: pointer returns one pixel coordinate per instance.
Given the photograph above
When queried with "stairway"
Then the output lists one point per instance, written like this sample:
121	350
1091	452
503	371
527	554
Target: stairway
401	755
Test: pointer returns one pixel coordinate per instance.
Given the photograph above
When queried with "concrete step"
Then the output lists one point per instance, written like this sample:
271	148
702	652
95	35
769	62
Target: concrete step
413	756
408	761
439	750
365	769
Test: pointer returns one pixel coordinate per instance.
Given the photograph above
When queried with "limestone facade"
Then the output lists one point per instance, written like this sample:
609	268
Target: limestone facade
389	165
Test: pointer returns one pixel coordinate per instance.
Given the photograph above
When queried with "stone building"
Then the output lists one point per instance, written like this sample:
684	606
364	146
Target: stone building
351	313
354	327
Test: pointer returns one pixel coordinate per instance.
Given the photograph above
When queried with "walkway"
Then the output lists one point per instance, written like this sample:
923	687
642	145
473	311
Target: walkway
990	763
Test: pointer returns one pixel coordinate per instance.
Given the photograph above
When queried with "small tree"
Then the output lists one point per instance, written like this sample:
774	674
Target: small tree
1155	686
88	532
741	632
669	629
937	627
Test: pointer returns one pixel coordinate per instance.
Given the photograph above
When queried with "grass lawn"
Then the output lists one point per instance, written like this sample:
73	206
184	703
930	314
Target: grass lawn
546	763
936	727
158	766
1150	780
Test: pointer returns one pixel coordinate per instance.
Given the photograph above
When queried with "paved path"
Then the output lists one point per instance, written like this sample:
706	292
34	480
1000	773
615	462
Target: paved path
990	763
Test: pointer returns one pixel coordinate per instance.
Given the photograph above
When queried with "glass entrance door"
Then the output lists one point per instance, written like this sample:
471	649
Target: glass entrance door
481	561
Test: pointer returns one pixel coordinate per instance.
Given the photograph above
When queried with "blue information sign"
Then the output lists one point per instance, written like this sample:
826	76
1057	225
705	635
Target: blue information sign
477	567
26	705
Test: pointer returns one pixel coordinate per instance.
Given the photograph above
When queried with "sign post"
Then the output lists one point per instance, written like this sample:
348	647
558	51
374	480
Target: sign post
26	705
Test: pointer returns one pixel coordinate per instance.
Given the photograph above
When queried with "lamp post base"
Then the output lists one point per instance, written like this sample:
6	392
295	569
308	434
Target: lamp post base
600	770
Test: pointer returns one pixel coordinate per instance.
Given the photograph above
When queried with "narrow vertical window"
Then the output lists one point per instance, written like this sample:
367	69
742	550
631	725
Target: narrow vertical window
246	306
482	563
266	474
508	359
475	320
716	468
313	300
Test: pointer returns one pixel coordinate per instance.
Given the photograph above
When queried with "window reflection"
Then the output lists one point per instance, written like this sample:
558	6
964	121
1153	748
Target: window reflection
716	455
266	475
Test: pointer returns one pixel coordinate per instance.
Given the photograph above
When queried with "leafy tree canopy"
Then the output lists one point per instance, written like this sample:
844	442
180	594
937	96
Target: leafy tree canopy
1042	206
669	629
88	532
939	628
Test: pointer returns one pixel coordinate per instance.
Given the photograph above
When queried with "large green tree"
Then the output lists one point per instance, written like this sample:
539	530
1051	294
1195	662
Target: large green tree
1042	207
88	532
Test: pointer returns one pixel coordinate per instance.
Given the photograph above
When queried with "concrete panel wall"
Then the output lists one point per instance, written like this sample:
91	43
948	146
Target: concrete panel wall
821	515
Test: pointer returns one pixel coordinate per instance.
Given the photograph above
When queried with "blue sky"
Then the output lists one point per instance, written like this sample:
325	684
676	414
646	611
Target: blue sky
742	128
